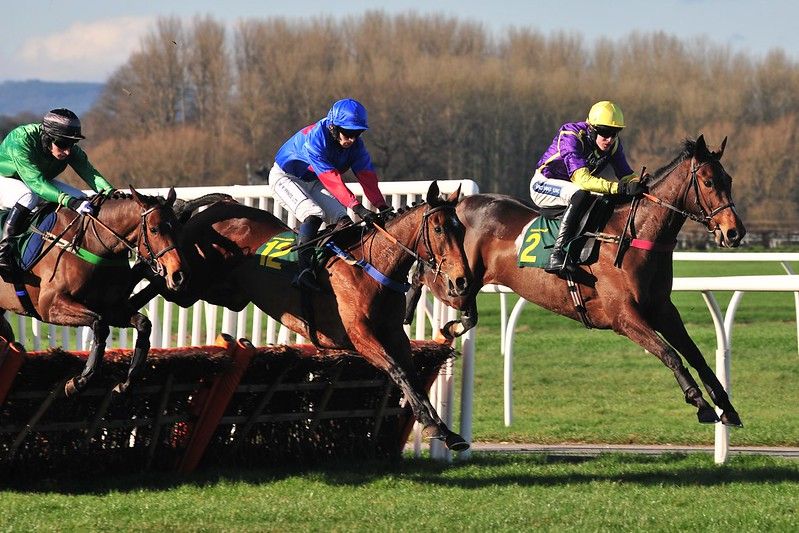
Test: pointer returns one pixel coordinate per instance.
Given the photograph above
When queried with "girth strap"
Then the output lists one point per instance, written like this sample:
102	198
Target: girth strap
577	299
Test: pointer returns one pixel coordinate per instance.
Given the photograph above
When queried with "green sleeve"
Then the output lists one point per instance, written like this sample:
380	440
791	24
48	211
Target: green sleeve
21	156
79	162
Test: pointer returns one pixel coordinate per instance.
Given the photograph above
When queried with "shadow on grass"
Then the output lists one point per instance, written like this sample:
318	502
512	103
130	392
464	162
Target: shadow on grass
481	471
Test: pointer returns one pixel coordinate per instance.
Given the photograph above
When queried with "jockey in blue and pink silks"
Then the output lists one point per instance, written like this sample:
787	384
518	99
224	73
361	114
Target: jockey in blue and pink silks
571	169
307	177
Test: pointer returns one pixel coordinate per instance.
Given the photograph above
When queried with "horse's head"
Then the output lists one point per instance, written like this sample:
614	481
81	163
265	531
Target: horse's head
156	238
712	189
442	234
705	196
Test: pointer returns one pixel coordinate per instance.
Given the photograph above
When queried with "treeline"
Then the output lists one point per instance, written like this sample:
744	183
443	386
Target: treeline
446	100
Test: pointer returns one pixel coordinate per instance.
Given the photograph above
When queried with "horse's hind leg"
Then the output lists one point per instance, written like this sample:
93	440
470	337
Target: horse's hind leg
630	323
77	384
670	325
143	327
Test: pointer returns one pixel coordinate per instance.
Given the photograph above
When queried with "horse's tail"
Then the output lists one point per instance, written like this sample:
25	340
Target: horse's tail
185	208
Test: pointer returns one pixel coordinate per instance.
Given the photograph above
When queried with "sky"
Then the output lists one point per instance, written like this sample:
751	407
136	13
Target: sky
87	40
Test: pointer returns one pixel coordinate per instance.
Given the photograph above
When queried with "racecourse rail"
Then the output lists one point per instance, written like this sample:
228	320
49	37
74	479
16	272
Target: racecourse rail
203	322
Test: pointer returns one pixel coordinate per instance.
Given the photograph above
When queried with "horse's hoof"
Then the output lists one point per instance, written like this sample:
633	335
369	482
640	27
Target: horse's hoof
121	388
456	443
731	418
450	330
707	416
70	388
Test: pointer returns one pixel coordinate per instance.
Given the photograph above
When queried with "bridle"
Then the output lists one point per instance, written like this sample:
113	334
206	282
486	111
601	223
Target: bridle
706	217
152	259
424	236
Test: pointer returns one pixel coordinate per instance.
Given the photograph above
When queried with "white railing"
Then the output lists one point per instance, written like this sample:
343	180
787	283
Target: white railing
202	322
723	323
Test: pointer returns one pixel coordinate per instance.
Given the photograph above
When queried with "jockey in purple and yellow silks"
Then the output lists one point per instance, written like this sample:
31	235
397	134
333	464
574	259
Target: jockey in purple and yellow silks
571	169
307	177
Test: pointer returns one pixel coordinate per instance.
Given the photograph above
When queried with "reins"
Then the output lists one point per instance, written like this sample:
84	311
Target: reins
705	217
152	260
423	235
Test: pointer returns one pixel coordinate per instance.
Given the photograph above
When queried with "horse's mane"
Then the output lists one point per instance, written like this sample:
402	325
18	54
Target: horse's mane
688	149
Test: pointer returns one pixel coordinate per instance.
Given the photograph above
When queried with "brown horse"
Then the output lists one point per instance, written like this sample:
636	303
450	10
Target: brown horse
634	299
354	312
90	285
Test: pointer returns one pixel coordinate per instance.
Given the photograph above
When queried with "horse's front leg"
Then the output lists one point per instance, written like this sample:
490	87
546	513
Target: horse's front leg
394	357
143	327
668	322
629	322
64	310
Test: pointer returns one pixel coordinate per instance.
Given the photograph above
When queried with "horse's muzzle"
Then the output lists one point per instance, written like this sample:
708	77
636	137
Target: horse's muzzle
730	238
457	287
176	281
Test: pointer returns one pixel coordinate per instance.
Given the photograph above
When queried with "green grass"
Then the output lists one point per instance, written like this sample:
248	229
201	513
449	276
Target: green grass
490	493
571	385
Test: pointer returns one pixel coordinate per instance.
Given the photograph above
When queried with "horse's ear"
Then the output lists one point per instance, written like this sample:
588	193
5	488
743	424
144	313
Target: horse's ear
136	195
453	198
171	197
432	193
721	148
701	146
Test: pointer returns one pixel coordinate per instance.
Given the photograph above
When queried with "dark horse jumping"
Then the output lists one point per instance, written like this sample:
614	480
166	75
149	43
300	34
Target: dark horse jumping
354	311
83	276
634	299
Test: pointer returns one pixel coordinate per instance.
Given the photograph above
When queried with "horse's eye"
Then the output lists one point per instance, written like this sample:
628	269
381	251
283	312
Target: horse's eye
708	183
438	229
154	230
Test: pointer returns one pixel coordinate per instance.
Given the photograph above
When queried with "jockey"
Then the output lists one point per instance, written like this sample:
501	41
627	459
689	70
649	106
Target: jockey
571	169
31	156
307	177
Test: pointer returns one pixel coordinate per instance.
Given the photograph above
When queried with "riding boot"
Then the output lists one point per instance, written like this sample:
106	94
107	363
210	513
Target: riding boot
558	261
306	276
14	225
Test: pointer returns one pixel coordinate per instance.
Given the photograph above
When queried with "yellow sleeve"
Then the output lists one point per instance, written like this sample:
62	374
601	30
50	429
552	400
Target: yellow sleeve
587	181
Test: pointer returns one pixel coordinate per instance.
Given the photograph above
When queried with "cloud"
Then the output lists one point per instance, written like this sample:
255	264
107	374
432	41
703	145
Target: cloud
83	51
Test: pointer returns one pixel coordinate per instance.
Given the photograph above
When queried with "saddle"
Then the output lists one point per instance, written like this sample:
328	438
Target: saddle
30	242
538	237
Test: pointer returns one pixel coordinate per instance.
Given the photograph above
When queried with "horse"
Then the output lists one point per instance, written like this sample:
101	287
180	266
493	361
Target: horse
633	299
354	311
83	276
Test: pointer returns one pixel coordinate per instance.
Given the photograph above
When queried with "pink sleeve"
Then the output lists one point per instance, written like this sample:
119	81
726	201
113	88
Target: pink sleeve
333	183
368	180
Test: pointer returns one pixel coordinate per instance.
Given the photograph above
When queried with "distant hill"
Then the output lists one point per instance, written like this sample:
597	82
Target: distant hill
38	97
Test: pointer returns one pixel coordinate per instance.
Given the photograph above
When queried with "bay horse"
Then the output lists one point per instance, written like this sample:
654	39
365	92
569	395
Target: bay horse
634	300
354	311
83	275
